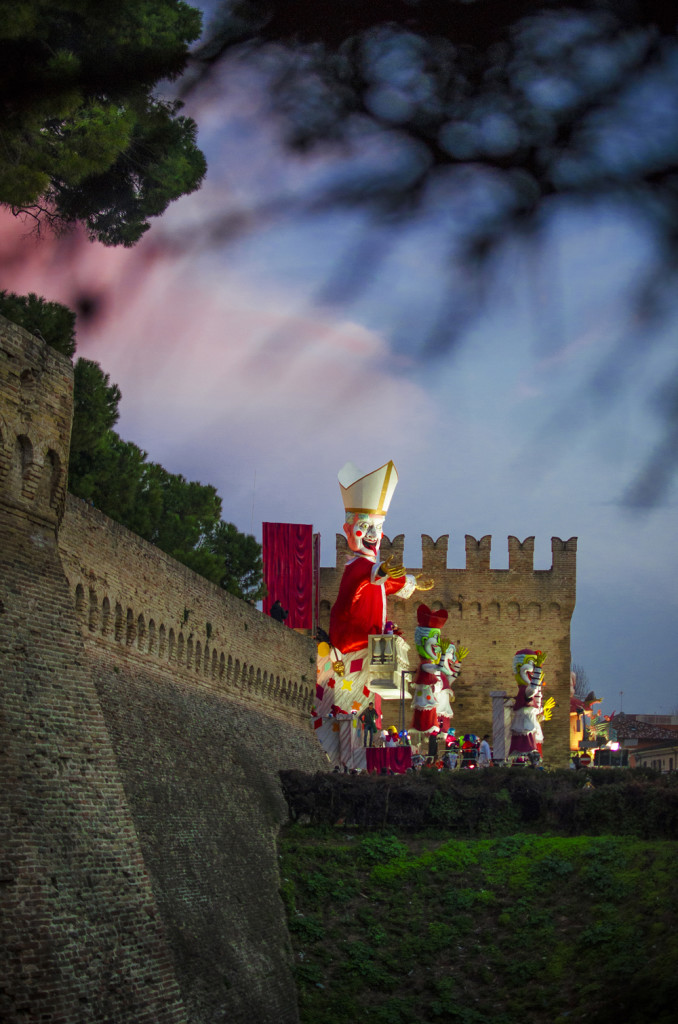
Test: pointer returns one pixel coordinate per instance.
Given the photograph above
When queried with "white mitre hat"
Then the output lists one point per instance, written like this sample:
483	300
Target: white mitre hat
367	492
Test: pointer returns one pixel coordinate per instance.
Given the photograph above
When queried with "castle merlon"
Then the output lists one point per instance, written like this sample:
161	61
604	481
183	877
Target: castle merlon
434	554
521	556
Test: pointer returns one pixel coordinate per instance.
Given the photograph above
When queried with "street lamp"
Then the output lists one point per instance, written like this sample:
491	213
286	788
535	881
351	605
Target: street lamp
403	673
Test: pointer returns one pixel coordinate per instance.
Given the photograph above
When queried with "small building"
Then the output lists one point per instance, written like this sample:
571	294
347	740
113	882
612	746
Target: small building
663	757
651	740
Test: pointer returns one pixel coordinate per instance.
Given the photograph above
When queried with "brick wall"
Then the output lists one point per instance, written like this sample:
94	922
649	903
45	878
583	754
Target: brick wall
205	700
200	771
145	716
82	938
146	609
493	612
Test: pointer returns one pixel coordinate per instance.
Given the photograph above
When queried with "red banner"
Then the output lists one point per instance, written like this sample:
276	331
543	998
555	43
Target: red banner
289	568
395	759
316	579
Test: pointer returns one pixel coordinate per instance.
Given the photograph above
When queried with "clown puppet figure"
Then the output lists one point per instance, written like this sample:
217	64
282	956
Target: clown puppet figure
450	666
427	681
358	612
526	731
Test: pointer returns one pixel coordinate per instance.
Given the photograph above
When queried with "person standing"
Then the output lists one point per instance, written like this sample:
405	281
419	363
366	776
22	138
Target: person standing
369	722
277	612
485	752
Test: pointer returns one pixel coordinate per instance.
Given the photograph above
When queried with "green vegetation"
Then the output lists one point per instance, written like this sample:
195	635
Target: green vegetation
85	140
500	802
402	927
51	321
181	517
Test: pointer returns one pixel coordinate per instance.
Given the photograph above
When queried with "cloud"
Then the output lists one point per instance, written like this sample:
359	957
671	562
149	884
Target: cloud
232	374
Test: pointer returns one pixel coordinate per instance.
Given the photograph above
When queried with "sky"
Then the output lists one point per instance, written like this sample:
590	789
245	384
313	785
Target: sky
260	342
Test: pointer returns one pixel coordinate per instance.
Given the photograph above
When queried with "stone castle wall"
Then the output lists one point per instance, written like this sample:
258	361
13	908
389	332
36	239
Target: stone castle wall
493	612
141	607
145	716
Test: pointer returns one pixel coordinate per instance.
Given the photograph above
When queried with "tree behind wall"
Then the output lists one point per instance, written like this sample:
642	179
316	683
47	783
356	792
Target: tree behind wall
181	517
582	687
50	321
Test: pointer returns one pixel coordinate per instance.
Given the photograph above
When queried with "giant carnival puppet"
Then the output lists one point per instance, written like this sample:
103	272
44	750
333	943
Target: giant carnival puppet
359	612
439	667
529	709
427	680
451	658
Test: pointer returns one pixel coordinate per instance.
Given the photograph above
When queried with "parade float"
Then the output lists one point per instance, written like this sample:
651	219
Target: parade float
528	709
364	659
427	682
361	660
451	658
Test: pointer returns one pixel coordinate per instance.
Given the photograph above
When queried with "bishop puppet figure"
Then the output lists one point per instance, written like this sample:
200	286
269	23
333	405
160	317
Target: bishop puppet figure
359	611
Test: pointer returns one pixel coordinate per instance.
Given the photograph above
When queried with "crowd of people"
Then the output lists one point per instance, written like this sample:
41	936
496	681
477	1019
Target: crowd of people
444	751
467	751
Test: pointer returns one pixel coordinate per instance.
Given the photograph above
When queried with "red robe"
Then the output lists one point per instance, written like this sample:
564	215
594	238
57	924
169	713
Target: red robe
360	608
425	717
525	721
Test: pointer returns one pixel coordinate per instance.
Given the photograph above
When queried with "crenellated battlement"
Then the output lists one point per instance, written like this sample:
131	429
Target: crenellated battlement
521	556
564	555
478	553
394	548
493	612
434	553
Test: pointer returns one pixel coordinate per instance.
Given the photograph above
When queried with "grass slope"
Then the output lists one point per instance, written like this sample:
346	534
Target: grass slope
395	926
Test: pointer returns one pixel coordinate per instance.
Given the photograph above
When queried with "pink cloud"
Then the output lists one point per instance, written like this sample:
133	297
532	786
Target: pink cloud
196	353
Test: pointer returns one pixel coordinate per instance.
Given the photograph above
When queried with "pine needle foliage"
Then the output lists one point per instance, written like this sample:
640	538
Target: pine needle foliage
86	135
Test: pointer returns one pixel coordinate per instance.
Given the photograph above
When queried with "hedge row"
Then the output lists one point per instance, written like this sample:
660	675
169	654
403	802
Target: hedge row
492	802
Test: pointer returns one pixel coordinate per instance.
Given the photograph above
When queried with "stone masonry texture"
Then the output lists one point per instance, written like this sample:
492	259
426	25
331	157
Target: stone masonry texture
145	717
493	612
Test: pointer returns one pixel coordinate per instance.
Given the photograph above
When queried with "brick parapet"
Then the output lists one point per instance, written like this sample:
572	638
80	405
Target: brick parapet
145	607
146	714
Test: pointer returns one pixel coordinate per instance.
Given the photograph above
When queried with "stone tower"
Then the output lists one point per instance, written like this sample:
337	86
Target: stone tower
493	612
82	938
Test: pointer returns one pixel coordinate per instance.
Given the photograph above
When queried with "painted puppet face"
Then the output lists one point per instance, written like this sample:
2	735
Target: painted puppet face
449	657
429	647
364	532
524	673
